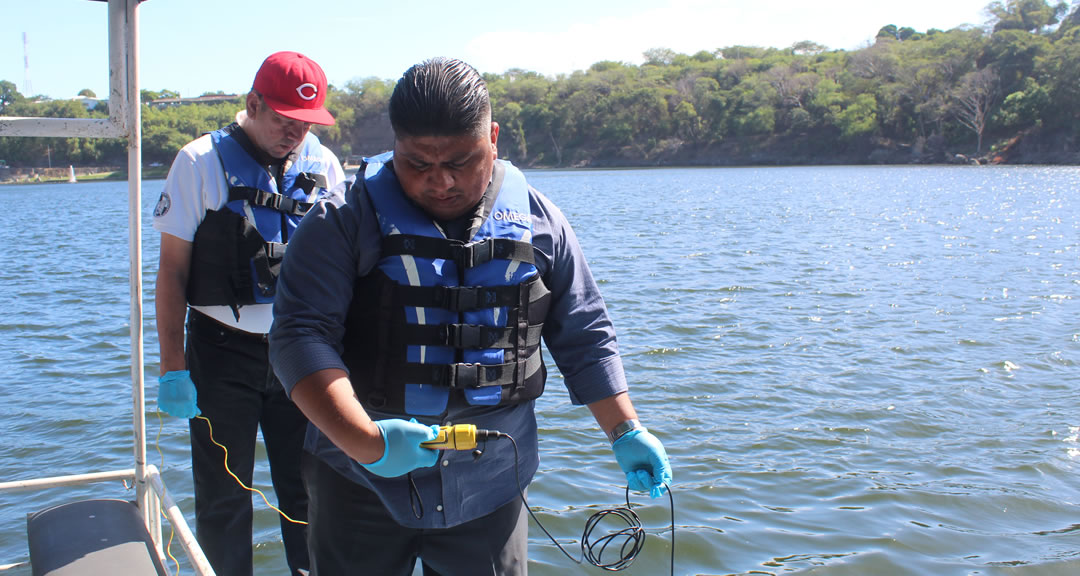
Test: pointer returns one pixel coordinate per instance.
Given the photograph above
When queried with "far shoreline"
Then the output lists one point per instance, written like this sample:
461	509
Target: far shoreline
82	174
104	174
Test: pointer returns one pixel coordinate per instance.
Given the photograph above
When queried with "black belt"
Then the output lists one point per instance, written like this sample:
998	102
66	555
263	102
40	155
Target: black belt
196	318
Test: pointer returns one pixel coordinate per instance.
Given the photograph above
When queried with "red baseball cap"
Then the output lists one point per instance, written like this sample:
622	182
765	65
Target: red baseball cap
294	86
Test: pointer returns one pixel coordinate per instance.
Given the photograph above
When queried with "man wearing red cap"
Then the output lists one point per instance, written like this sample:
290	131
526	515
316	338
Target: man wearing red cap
232	200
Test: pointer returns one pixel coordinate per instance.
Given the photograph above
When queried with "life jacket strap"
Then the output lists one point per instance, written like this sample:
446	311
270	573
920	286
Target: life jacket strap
467	298
485	251
377	398
463	376
458	298
309	181
538	304
465	255
267	262
464	336
271	200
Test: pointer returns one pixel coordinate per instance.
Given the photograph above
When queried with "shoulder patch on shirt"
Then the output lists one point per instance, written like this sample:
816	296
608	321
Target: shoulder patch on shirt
163	205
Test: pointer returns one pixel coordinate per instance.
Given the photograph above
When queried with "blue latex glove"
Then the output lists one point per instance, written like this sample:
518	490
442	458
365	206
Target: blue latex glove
642	457
402	452
176	394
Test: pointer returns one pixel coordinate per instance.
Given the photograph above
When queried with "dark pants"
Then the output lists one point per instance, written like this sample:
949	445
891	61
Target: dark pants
352	534
238	393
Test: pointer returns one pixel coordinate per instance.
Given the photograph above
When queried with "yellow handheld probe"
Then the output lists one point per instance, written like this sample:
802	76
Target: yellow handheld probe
458	437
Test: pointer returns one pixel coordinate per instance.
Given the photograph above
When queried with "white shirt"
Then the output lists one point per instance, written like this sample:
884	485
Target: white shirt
196	183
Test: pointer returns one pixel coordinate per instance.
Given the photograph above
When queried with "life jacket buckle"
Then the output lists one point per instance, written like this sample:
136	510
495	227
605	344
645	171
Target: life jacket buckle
376	400
306	182
462	335
464	375
478	253
458	298
286	204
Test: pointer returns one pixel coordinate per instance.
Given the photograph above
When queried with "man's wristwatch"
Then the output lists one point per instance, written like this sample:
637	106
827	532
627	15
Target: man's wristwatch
622	428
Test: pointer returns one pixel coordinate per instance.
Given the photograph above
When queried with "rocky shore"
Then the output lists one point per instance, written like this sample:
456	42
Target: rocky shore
1031	147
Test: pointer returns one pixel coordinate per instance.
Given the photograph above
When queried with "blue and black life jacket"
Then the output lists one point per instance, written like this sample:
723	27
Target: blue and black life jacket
237	250
439	315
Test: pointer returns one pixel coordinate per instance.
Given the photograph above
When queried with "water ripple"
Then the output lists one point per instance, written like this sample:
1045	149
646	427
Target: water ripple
854	370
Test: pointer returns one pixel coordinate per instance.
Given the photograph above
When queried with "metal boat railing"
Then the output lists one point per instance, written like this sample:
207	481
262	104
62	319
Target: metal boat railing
125	121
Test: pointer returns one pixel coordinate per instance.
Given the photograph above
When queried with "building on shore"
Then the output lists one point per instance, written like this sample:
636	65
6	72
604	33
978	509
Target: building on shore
205	99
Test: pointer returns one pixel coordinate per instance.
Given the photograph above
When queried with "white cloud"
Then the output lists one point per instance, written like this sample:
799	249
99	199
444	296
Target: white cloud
688	26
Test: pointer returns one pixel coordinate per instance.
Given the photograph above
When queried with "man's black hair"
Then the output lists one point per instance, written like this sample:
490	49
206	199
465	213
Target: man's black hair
440	97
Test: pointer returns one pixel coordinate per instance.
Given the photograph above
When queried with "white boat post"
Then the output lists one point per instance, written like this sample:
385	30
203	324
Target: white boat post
125	121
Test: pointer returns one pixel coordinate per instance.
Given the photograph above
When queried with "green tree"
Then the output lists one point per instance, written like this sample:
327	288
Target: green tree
858	118
1014	53
704	56
806	47
87	93
687	122
659	56
924	91
876	62
1061	68
369	132
1026	15
337	136
8	95
167	129
753	111
889	31
792	86
1069	22
151	95
1024	108
512	142
24	151
161	143
760	121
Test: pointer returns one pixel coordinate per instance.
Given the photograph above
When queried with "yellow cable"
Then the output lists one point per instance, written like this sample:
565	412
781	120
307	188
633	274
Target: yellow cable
168	545
161	509
240	482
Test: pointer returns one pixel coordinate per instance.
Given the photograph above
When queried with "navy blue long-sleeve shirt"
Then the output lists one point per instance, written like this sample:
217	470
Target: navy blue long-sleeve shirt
337	243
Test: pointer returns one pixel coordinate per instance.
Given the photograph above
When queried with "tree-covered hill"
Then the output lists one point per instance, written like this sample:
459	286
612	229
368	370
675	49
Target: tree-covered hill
1006	93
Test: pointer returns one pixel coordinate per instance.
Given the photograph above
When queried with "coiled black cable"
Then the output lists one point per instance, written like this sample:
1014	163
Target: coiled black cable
632	536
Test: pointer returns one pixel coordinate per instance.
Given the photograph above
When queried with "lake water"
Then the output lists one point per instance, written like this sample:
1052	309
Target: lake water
855	370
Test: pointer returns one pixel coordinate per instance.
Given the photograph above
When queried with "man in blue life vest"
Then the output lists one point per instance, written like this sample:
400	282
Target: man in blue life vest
421	301
230	206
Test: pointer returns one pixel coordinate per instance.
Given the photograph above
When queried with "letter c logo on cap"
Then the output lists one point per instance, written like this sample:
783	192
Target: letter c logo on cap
307	91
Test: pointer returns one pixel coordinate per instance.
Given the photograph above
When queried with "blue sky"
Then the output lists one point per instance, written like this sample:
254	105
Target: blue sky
197	46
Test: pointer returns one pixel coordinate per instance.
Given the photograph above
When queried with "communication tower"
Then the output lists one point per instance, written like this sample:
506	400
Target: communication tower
27	88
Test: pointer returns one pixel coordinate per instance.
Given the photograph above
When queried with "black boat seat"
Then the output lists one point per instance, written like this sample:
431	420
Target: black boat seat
91	538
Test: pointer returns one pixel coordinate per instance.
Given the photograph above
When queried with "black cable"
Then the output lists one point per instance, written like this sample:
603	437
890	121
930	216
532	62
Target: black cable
633	535
414	499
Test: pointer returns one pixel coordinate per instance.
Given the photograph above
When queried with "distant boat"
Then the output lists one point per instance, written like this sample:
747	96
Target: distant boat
71	174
